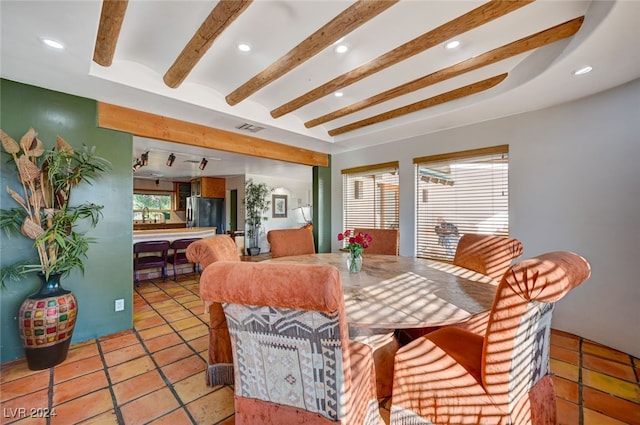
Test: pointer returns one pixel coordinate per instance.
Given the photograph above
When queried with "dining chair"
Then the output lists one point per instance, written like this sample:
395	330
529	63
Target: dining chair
179	255
452	376
286	242
293	360
383	241
155	256
490	255
205	252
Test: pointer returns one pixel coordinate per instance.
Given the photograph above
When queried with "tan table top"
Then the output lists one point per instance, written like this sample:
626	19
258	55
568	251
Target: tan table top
406	292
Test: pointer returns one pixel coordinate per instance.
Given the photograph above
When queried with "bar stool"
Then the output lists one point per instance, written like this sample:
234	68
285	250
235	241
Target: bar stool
158	258
179	255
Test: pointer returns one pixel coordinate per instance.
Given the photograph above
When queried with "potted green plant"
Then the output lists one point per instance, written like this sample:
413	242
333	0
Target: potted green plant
257	203
45	215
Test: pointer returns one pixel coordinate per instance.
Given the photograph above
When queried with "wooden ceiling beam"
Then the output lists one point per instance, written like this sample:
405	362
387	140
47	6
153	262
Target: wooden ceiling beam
353	17
220	18
423	104
470	20
153	126
111	19
525	44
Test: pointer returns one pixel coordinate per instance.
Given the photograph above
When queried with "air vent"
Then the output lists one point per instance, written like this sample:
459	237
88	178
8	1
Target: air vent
249	127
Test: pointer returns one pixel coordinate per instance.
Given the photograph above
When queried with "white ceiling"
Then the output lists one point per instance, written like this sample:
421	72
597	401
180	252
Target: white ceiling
154	33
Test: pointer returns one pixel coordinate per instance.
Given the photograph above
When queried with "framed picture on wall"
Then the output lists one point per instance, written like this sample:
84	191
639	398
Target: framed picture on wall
279	203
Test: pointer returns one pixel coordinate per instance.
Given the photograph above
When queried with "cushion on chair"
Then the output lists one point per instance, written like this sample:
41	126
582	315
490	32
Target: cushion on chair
288	242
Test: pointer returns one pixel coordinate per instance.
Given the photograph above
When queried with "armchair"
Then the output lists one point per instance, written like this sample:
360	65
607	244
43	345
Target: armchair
453	376
487	254
206	252
383	241
294	363
288	242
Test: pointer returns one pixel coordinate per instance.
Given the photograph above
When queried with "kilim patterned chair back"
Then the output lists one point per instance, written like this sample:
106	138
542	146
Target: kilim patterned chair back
154	256
179	256
293	361
288	242
452	376
383	241
487	254
206	252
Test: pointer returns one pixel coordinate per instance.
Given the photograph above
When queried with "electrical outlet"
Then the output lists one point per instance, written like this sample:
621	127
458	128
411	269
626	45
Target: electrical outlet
120	304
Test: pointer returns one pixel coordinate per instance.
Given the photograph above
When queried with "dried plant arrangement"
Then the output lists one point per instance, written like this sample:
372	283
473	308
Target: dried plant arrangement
44	213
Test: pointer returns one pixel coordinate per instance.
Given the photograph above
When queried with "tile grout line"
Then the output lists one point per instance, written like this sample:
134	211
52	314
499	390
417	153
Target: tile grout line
116	408
580	385
50	395
186	342
160	371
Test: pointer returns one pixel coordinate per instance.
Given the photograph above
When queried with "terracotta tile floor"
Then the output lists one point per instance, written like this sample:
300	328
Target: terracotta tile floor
153	374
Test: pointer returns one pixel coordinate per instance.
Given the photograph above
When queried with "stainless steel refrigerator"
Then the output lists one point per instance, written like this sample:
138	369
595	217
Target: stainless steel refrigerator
206	212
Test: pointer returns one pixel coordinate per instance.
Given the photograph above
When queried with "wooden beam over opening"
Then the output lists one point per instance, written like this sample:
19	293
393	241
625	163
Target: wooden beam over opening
423	104
476	17
356	15
534	41
219	19
109	30
145	124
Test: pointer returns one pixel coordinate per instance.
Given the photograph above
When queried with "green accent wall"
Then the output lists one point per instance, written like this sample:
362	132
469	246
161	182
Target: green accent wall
322	207
108	269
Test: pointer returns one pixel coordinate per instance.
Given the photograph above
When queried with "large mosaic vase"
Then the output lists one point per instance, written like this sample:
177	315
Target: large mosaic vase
46	321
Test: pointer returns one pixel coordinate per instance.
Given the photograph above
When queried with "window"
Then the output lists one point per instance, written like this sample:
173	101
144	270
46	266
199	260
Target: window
156	203
458	193
371	196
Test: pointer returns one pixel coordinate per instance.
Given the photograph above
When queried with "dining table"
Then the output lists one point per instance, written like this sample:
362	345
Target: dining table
394	292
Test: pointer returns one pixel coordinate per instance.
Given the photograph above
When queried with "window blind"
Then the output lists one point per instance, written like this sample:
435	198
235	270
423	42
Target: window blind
371	196
458	193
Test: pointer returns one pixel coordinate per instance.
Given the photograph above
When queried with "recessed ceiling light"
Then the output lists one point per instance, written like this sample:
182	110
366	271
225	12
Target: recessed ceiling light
52	43
342	48
243	47
452	44
338	94
583	70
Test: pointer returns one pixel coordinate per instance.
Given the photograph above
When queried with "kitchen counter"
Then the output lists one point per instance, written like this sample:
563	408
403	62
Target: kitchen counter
158	226
172	234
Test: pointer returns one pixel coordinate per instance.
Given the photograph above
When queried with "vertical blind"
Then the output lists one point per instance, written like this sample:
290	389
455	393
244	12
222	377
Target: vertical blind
469	190
371	196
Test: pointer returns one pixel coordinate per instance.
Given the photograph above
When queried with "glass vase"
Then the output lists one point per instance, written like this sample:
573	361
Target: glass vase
354	263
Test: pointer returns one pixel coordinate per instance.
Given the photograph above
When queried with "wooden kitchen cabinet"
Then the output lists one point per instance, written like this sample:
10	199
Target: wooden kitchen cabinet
181	192
208	187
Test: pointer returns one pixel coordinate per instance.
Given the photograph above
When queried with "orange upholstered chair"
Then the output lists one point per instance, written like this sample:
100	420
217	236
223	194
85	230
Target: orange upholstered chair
293	361
452	376
487	254
288	242
383	241
206	252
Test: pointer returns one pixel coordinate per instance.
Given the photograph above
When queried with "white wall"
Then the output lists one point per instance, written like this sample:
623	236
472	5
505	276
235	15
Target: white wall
574	184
